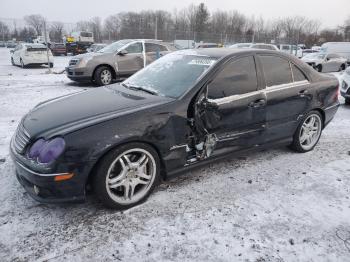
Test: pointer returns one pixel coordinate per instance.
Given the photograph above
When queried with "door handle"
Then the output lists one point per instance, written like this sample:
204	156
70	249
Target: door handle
257	103
303	92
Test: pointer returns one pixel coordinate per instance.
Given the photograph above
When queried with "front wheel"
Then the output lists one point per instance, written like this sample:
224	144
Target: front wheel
12	61
347	101
126	176
51	65
308	132
103	76
342	67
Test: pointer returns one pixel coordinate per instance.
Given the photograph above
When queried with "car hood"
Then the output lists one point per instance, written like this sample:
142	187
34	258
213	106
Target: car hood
91	55
75	111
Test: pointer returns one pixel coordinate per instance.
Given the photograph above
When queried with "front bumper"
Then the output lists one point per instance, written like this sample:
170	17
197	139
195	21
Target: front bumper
78	74
43	187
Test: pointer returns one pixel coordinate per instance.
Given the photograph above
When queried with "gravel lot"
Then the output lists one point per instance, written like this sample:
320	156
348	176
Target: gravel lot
274	205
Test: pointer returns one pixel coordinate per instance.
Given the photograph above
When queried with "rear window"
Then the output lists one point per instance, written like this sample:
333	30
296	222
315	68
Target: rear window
276	70
35	49
298	74
150	47
86	34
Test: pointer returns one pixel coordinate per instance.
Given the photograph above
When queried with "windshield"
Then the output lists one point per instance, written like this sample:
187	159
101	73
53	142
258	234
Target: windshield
171	75
315	56
114	47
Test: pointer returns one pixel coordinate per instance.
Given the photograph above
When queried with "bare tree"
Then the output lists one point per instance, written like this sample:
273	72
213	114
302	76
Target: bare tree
56	31
37	22
112	26
4	31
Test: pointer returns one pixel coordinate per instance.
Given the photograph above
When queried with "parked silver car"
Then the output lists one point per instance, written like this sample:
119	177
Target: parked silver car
323	62
117	60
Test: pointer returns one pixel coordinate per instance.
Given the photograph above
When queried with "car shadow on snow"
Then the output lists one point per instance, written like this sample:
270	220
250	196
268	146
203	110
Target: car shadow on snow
191	176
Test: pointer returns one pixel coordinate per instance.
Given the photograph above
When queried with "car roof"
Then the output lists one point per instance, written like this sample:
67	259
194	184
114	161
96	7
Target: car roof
223	52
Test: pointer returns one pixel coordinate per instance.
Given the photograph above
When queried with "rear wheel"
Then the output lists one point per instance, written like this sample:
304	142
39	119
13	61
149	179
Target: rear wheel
12	61
347	101
126	176
22	63
308	132
51	65
103	76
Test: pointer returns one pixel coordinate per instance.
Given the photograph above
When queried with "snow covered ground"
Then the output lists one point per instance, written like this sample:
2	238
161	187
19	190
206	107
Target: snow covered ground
274	205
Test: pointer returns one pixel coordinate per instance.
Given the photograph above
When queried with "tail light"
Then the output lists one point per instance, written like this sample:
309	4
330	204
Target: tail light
337	94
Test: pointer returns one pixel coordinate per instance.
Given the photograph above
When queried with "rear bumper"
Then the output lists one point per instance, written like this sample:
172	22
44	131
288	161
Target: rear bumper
330	112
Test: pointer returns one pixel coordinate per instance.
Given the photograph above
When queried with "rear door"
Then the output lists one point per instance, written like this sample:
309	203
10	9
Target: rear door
288	95
17	53
132	61
235	107
154	51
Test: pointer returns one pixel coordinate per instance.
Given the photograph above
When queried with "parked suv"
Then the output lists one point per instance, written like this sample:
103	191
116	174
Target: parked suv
117	60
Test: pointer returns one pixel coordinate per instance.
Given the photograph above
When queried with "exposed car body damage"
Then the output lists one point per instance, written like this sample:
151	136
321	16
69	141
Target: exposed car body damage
185	131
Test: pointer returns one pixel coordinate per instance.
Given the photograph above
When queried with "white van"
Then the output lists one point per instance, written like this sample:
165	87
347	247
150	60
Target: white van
339	48
83	37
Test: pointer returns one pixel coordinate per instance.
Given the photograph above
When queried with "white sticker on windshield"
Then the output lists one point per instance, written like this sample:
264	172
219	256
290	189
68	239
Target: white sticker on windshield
205	62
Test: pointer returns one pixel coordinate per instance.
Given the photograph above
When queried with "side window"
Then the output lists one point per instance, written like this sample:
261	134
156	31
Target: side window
298	74
276	70
150	47
134	48
238	77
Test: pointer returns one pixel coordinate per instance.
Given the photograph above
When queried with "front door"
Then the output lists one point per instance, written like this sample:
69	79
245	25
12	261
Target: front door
132	61
234	110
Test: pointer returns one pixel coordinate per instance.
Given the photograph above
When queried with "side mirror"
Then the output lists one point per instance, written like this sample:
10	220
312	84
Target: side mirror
122	52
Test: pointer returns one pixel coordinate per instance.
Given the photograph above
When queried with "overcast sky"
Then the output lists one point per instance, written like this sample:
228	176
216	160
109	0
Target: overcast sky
329	12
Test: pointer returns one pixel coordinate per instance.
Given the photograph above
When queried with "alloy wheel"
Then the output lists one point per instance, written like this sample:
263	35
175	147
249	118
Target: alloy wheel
310	131
106	77
131	176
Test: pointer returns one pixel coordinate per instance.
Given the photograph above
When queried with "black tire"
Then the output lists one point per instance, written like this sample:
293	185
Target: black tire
51	65
22	64
99	78
99	183
296	144
12	61
319	68
342	67
347	101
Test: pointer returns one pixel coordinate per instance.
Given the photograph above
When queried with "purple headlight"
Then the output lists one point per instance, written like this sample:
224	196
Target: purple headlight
35	149
51	150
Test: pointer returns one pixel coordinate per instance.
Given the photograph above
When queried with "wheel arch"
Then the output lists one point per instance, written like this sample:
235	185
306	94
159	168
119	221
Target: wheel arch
95	165
323	114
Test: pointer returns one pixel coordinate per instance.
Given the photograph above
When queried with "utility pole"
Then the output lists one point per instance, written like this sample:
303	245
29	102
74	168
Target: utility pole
47	47
156	29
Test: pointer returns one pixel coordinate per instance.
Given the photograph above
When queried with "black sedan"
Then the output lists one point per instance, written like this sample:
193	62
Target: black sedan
185	109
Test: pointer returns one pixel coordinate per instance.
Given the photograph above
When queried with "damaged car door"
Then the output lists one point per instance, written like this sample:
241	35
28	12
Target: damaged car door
232	109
